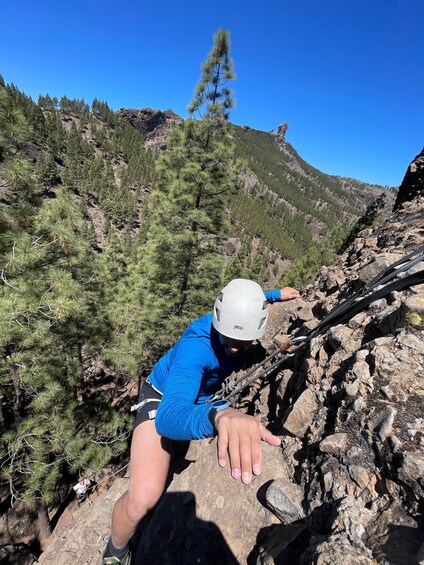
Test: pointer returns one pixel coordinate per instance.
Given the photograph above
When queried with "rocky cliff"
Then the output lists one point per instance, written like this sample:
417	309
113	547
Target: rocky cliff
413	182
347	484
153	125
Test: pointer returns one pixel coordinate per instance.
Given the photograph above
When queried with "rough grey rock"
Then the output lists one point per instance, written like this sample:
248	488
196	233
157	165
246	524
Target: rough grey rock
302	414
284	498
336	443
362	459
413	182
413	308
335	279
154	125
306	312
372	269
334	550
412	466
84	540
282	129
381	423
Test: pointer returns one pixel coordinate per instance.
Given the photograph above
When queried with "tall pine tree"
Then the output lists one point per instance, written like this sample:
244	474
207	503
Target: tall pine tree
182	262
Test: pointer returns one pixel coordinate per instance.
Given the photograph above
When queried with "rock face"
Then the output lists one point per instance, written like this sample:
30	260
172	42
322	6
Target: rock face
154	125
83	540
205	516
355	402
413	181
347	484
282	129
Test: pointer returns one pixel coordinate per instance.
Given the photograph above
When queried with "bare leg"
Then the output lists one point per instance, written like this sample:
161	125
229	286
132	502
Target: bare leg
149	465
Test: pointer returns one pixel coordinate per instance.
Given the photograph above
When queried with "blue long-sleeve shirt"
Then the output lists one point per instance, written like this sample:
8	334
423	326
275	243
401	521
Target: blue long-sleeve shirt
189	374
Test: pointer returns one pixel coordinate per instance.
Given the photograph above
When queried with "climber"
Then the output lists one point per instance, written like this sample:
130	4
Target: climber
81	489
173	405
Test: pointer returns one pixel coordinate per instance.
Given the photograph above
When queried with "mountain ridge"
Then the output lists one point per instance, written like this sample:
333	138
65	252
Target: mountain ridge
155	125
287	208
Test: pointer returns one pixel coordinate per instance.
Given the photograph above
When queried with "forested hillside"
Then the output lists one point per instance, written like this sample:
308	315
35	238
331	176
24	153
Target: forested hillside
297	212
109	247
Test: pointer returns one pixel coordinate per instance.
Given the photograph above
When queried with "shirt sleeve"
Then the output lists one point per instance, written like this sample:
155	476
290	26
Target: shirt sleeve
273	296
178	417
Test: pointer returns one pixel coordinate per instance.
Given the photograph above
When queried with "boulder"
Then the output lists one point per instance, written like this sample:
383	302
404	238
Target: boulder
301	416
83	540
284	498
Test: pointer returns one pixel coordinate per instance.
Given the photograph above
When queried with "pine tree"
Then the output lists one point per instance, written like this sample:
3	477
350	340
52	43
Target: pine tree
14	127
55	132
51	319
238	266
46	172
49	315
182	262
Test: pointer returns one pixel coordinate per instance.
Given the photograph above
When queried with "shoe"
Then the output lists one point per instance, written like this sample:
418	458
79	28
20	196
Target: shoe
125	560
116	560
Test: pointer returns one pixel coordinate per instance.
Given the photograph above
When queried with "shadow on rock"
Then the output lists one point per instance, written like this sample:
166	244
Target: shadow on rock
284	544
176	536
402	545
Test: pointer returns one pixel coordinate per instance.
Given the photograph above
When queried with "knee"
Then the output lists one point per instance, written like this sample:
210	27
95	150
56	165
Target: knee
142	499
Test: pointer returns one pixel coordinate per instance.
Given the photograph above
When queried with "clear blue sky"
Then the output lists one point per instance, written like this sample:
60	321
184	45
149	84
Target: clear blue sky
346	75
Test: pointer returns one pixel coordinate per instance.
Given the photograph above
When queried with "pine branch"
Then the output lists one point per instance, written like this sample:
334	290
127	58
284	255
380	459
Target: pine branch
3	278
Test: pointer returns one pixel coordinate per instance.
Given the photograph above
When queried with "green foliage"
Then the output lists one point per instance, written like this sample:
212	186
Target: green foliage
49	312
122	294
102	110
212	99
182	262
77	106
46	172
51	316
238	267
303	269
46	102
55	133
275	225
14	127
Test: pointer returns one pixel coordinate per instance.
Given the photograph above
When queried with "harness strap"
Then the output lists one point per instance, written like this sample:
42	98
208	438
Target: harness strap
140	405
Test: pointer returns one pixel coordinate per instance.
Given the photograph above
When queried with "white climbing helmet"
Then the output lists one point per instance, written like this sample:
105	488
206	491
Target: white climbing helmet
241	310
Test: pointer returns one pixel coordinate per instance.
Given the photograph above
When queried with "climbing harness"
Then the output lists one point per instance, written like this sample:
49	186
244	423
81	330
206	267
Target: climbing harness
377	288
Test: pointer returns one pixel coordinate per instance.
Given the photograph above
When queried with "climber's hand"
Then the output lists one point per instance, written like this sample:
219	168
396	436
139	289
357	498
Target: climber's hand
288	293
241	436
